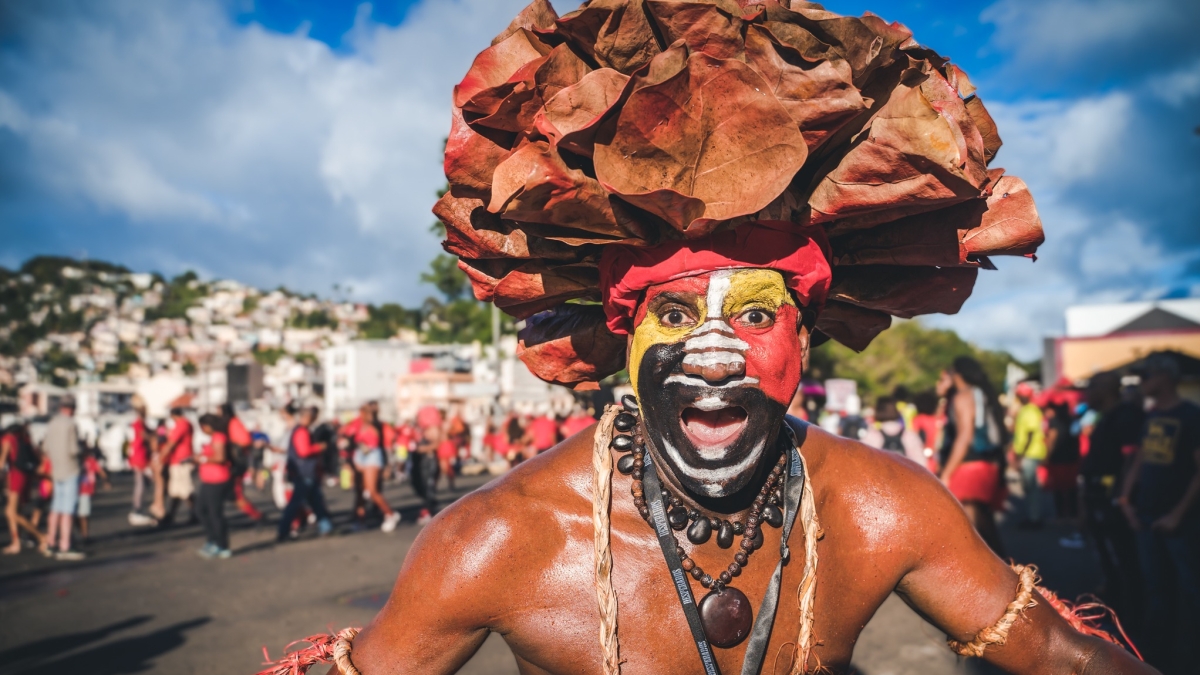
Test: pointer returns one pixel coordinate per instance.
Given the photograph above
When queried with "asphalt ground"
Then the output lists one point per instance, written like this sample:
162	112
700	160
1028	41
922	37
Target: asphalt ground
144	602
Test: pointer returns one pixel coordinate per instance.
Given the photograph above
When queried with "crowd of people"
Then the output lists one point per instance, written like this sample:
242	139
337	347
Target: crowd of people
1117	462
188	468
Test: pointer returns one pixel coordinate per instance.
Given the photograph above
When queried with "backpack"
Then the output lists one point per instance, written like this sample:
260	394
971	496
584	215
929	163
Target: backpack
26	460
893	443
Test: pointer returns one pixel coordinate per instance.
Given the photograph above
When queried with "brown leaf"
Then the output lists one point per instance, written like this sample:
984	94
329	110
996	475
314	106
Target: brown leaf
538	15
473	232
866	43
818	95
488	83
536	82
530	287
703	26
535	185
852	325
912	157
904	291
571	345
615	33
471	158
1010	226
705	143
570	118
986	126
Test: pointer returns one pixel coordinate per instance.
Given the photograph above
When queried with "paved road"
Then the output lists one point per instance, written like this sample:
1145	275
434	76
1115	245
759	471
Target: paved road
143	602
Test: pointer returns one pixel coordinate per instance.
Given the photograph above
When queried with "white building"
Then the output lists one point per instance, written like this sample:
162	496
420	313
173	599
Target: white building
368	370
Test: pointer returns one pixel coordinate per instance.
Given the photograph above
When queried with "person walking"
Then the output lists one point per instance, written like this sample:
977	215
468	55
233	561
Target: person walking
215	475
303	469
1029	445
61	448
18	455
369	437
139	462
891	433
425	471
177	452
972	469
238	456
1159	497
1114	441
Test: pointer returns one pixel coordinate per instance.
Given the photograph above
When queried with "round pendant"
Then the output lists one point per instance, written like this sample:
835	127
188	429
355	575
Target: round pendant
727	616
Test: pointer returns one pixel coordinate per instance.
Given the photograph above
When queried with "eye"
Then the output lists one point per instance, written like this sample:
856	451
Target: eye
674	317
756	318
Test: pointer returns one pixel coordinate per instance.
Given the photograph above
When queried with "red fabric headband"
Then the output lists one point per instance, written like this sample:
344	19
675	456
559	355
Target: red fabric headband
800	254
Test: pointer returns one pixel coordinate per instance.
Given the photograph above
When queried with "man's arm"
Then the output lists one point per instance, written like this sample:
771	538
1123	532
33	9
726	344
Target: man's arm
959	585
1170	522
964	412
453	585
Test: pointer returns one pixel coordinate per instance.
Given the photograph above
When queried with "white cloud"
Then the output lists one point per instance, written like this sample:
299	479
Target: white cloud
1177	87
174	117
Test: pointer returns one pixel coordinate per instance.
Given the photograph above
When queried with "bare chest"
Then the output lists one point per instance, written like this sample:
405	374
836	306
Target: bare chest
553	625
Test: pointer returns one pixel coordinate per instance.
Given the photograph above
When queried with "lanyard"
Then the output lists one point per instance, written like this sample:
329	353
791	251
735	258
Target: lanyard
793	488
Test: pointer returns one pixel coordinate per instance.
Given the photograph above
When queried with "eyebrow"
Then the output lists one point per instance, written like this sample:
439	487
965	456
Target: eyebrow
686	298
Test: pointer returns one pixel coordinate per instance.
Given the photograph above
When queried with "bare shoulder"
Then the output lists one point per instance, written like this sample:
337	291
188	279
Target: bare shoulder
517	516
875	499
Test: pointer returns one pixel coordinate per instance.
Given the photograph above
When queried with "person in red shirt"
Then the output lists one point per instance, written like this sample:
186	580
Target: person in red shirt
178	452
447	451
303	470
19	456
92	470
928	425
239	453
543	433
577	422
369	436
139	462
214	487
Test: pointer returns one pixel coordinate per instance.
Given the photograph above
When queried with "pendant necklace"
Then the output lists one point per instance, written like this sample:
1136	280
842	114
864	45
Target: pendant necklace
725	612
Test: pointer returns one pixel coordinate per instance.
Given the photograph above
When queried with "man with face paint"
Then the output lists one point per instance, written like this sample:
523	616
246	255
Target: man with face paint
722	184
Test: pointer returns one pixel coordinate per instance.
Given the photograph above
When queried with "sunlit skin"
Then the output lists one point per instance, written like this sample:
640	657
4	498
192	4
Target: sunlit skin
515	557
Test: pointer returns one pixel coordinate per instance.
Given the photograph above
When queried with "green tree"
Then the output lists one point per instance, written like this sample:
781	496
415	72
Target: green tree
908	354
445	276
386	320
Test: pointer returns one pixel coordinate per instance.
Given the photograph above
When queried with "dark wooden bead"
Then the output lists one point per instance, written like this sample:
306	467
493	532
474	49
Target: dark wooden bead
637	475
696	573
700	531
680	552
706	581
751	532
625	464
759	501
747	545
621	443
757	540
693	514
739	528
629	403
725	577
644	511
687	564
752	522
725	534
677	516
734	569
773	515
740	557
625	422
714	523
637	489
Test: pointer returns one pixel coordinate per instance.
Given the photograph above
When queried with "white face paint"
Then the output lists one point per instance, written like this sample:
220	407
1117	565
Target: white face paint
713	349
712	481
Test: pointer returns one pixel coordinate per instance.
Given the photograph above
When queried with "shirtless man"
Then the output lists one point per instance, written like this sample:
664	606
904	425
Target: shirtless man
655	156
523	552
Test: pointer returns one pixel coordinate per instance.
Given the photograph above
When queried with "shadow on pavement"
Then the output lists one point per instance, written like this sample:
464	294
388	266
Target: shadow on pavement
13	660
128	655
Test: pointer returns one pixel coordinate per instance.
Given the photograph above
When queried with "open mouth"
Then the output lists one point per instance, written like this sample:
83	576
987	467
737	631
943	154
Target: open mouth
713	428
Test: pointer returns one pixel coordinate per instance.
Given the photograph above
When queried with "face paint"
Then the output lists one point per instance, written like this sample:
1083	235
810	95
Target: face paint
715	360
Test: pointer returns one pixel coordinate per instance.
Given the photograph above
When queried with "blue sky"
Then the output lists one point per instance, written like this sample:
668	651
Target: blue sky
298	142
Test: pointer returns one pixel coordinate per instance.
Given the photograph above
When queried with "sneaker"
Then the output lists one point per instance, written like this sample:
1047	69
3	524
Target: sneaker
207	551
324	527
390	522
69	555
424	518
141	520
223	554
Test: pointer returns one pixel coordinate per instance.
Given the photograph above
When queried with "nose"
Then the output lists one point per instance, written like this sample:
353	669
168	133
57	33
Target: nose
714	352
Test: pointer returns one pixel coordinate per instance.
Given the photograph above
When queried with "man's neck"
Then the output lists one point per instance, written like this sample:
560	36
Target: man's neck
733	506
1167	401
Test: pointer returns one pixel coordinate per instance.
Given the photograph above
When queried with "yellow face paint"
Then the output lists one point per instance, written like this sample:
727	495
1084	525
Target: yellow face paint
707	300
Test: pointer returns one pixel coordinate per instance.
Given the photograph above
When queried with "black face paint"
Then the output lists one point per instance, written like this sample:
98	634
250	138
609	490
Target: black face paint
669	399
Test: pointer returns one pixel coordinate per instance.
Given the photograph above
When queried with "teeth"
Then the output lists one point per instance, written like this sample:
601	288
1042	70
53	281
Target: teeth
710	403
